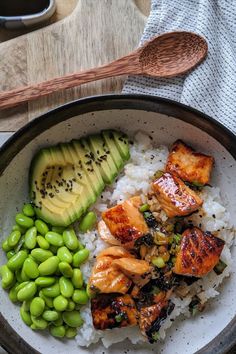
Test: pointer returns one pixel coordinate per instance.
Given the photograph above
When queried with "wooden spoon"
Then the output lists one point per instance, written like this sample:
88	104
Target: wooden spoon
167	55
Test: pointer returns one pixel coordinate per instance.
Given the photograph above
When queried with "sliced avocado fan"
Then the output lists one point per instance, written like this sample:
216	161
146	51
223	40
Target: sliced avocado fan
65	180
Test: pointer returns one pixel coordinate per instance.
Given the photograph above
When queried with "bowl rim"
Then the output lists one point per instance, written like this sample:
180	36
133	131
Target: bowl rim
226	339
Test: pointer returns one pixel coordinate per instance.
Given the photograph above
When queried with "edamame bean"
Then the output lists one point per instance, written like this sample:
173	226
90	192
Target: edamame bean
7	276
30	268
58	322
18	228
30	238
70	306
58	229
37	306
48	300
87	222
41	227
45	281
39	322
10	254
50	315
59	331
49	266
26	305
25	316
51	291
80	257
42	242
24	277
54	239
80	297
18	276
14	238
64	254
77	278
21	285
24	221
71	332
53	249
41	255
5	246
28	210
60	303
72	318
16	262
70	239
66	287
13	294
27	292
65	269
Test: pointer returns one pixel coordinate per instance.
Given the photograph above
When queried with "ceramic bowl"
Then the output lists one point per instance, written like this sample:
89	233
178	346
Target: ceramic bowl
212	332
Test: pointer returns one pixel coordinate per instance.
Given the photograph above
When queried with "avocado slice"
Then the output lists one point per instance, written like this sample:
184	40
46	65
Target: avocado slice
115	153
122	143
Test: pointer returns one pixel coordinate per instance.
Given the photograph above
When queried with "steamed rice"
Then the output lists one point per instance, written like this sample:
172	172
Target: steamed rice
144	162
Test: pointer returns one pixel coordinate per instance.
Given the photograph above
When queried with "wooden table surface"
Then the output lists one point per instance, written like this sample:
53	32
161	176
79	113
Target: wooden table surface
87	34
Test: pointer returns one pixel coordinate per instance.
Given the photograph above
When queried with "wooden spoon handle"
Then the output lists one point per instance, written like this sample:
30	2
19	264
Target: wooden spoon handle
123	66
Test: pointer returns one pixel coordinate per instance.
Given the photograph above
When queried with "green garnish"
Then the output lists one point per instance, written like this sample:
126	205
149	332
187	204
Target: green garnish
155	336
220	267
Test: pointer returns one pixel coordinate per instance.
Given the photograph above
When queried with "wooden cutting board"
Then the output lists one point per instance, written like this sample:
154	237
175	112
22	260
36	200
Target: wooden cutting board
95	33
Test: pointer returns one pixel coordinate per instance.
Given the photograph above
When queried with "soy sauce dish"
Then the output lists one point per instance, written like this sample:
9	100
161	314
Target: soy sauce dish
128	243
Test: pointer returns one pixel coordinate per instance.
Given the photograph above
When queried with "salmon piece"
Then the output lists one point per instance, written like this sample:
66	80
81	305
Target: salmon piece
152	317
106	235
106	278
199	253
110	311
125	222
175	198
115	252
188	164
139	271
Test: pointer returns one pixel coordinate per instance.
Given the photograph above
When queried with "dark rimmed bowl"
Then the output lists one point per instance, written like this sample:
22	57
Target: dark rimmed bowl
165	121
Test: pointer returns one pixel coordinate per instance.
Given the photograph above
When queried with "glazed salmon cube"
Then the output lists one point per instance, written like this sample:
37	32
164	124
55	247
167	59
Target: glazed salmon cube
175	198
188	164
125	222
199	253
110	311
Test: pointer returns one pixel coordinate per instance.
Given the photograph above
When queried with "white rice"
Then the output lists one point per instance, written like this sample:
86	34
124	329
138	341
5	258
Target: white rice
144	162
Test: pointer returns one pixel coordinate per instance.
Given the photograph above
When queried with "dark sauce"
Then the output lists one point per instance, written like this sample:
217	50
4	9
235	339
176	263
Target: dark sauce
10	8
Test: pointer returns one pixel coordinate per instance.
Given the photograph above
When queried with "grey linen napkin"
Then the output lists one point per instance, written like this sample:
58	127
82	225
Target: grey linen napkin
211	88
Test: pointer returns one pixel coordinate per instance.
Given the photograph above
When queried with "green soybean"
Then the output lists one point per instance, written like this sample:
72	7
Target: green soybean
54	239
10	254
58	229
65	269
60	303
41	255
27	292
31	268
18	276
50	315
39	322
77	278
66	287
37	306
7	277
16	262
28	210
91	294
48	300
26	305
25	316
70	306
41	227
80	297
59	331
71	332
18	228
14	238
5	246
30	238
44	244
24	276
21	285
70	239
64	255
45	281
24	221
80	257
72	318
13	294
52	291
53	249
87	222
58	322
49	266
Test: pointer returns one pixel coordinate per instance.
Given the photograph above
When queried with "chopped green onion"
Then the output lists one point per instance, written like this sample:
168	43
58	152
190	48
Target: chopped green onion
158	262
177	238
143	208
197	184
155	336
158	174
220	267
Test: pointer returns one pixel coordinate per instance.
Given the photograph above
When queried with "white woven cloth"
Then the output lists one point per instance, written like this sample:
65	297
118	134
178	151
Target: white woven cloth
211	88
